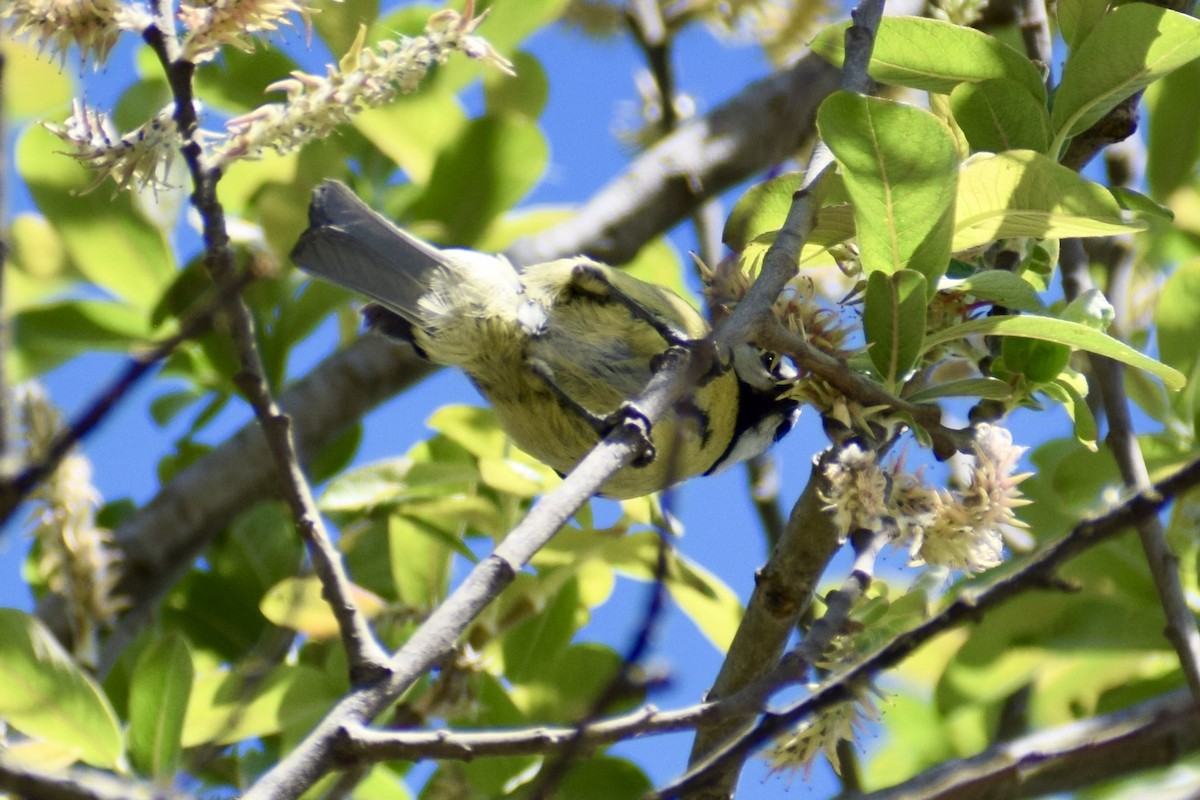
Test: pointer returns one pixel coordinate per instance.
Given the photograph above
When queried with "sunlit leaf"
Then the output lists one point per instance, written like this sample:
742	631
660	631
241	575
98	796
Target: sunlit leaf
1000	114
1072	334
225	708
158	698
297	603
1023	193
45	694
1000	287
934	55
894	321
1130	48
899	164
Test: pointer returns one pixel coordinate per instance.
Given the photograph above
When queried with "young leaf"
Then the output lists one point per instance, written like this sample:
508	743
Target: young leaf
1176	316
1000	114
1000	287
158	699
1173	140
760	210
1077	18
496	160
987	388
894	321
1129	49
1023	193
899	164
1072	334
298	604
933	55
44	693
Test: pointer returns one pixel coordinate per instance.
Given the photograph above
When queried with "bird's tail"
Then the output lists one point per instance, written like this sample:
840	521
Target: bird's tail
351	245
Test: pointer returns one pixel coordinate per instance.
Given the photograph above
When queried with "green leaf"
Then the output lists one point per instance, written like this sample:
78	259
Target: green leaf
158	697
1071	399
420	558
1173	141
225	708
1000	287
1023	193
414	130
1129	49
526	94
46	336
496	161
1176	315
760	210
1000	114
894	322
1078	18
987	388
299	604
899	164
44	86
45	695
1139	203
535	644
1072	334
338	23
107	239
236	82
934	55
603	778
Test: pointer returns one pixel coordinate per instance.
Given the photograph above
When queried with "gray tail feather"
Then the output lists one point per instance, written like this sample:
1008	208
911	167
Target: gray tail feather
349	244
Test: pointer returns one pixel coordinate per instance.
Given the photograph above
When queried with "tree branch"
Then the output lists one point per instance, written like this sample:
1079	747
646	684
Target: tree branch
24	780
1155	733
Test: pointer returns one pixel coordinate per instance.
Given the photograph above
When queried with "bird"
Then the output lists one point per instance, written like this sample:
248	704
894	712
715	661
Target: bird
556	348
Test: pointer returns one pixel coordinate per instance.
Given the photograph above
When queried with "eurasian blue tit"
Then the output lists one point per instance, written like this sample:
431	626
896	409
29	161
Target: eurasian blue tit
556	348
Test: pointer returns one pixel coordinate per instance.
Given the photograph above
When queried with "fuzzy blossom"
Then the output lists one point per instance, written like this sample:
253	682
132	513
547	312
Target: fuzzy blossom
142	157
821	735
965	528
91	25
858	489
76	558
363	79
213	23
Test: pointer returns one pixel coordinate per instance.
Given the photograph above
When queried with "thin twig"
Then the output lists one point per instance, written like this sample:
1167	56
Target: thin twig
1038	571
367	658
1122	443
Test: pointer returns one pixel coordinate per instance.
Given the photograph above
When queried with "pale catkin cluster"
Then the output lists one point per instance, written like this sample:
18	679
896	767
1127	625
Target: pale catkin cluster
315	105
75	557
821	733
92	25
963	528
141	158
214	23
363	79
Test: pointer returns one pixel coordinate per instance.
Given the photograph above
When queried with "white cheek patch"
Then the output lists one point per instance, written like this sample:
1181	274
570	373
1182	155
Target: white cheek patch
755	440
